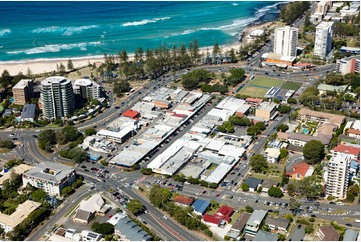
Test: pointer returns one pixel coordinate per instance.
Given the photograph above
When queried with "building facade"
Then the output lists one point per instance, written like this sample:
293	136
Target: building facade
323	39
285	41
87	89
23	91
254	223
50	177
338	174
348	66
266	110
57	97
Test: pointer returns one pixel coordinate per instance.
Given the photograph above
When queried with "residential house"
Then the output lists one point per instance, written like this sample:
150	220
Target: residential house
127	230
211	220
350	150
268	184
253	183
254	223
222	216
300	171
272	154
238	226
88	208
200	206
276	224
327	233
183	201
265	236
19	170
87	235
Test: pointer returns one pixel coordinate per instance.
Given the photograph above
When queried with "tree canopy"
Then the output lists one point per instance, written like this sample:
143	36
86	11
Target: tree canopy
237	76
258	163
102	228
193	80
135	206
275	192
293	10
313	151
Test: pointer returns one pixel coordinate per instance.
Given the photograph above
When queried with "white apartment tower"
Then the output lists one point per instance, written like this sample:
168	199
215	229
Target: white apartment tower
87	89
57	97
323	39
337	177
285	41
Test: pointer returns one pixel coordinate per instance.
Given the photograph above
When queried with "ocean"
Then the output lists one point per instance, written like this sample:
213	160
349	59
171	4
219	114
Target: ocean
47	30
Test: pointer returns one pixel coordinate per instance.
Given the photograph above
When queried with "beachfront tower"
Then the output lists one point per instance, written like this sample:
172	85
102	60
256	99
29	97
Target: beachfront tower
285	41
57	97
338	174
87	89
323	39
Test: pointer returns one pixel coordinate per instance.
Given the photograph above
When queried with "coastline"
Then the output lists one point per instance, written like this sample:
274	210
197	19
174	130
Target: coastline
39	66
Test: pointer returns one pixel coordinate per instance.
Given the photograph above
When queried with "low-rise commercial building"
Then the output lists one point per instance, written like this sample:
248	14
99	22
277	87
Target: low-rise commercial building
50	177
272	154
88	209
267	111
254	223
324	88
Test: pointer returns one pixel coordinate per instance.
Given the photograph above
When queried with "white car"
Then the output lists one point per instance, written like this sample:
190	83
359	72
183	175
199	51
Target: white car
165	217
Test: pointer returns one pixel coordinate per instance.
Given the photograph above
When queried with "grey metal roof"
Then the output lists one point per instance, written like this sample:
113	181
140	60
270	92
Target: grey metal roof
131	231
298	234
28	111
350	235
279	222
50	171
253	182
265	236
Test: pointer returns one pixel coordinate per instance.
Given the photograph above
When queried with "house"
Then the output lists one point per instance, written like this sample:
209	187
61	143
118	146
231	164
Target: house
268	184
265	236
19	170
200	206
300	171
350	235
88	208
253	183
131	114
183	201
8	222
354	133
87	235
238	226
272	154
255	222
211	220
353	151
303	139
127	230
50	176
277	223
327	233
28	113
225	212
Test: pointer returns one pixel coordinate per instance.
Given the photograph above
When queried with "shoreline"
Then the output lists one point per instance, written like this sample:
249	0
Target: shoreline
48	65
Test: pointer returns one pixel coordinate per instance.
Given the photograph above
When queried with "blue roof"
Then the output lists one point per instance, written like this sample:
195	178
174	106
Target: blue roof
28	111
201	206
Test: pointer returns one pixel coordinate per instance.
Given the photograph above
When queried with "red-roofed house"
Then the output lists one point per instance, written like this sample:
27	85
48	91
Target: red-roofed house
254	102
183	201
354	133
225	212
300	171
131	114
211	220
354	152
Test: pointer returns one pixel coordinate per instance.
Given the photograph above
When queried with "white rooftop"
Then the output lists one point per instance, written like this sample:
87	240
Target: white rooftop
93	204
219	173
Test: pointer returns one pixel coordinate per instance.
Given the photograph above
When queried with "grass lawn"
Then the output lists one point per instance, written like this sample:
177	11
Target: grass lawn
259	175
291	85
1	108
253	91
266	82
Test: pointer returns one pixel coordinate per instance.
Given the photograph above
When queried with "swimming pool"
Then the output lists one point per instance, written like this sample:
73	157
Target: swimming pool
305	130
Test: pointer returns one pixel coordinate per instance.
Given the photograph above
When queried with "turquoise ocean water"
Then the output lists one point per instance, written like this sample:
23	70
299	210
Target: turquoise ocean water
44	30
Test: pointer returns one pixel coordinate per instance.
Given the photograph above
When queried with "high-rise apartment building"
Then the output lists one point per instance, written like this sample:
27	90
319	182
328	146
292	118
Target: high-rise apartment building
87	89
323	39
57	97
338	174
285	41
23	91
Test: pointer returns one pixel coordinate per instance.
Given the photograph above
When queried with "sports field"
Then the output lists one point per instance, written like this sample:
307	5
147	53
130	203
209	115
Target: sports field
291	85
253	91
262	81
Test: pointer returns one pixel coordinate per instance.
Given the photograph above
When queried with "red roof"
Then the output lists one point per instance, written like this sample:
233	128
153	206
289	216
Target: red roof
353	131
211	219
347	149
254	100
131	114
225	211
301	168
179	115
183	200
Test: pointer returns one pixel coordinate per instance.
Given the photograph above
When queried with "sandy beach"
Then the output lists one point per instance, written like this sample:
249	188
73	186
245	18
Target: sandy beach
42	66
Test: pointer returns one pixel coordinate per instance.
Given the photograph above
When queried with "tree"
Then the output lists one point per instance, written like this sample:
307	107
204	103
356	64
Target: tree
103	228
284	153
284	109
77	154
293	10
90	132
226	127
70	65
309	229
275	192
309	187
66	191
135	206
146	171
352	192
313	152
70	133
216	49
7	144
282	127
62	69
194	79
249	209
258	163
38	195
237	75
46	138
245	187
261	125
292	100
253	130
159	196
6	79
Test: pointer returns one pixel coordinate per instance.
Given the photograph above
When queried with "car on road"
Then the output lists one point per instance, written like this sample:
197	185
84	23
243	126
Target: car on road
144	222
165	217
217	195
299	226
349	225
83	167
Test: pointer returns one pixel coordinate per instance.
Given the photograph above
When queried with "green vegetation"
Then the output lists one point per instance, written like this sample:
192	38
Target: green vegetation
352	192
252	91
237	76
194	79
103	228
308	187
226	127
259	163
284	109
313	152
282	127
76	154
11	163
214	88
7	144
90	132
146	171
351	26
291	85
249	209
275	192
293	10
135	206
265	82
309	97
239	121
245	187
